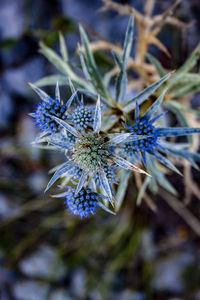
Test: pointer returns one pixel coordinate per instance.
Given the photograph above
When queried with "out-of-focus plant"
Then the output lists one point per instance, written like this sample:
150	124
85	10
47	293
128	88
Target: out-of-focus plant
95	142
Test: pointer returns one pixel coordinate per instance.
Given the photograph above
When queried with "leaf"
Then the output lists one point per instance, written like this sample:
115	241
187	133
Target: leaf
159	176
179	116
154	107
117	59
107	78
94	96
127	165
91	65
58	174
105	184
77	101
164	161
81	182
61	65
157	65
57	92
182	153
61	195
100	204
121	83
122	187
63	48
65	125
109	122
128	41
185	89
130	105
125	138
137	111
51	80
97	116
187	66
59	144
43	96
83	64
118	138
176	131
56	168
142	190
69	101
180	106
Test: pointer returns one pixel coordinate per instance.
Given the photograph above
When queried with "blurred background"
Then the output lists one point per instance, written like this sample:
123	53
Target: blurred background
45	253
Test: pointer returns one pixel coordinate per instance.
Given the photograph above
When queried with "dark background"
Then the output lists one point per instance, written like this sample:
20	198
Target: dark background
44	252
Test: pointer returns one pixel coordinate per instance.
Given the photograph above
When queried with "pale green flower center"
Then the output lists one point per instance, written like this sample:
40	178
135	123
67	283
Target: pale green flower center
91	152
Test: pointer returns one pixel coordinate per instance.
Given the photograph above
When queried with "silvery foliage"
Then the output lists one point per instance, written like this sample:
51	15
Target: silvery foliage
104	142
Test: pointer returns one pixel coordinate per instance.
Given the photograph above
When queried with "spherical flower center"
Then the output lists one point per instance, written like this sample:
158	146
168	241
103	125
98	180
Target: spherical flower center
91	152
82	117
43	112
83	204
142	127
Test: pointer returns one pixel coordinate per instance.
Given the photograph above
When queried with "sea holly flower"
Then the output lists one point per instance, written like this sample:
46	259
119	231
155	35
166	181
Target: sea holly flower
153	142
82	117
47	108
84	203
93	153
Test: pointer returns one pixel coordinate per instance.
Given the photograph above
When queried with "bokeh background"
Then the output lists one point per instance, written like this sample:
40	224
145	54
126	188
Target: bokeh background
45	253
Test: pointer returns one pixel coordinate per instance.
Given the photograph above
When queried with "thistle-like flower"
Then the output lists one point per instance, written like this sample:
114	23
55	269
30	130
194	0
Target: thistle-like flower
153	142
82	204
82	117
47	108
92	153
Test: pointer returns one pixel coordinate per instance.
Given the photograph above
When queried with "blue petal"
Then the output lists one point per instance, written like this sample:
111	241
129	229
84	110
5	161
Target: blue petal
176	131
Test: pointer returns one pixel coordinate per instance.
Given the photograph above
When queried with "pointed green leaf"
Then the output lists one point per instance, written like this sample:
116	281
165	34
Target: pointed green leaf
128	41
130	105
157	65
91	65
63	48
154	107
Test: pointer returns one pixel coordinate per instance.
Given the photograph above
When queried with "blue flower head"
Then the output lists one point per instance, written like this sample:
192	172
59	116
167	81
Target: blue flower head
82	204
46	109
152	141
91	157
82	117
